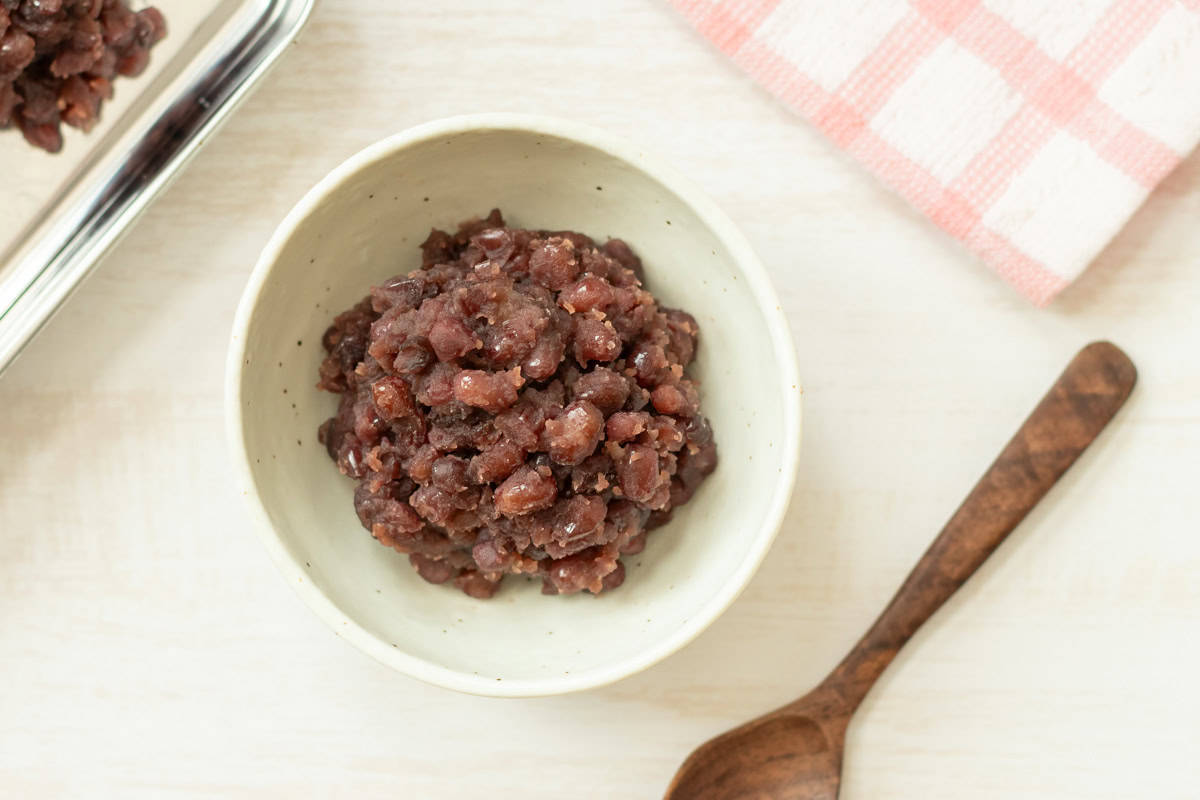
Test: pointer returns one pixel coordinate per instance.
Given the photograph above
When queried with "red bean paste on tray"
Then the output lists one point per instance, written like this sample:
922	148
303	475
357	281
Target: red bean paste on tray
518	405
58	59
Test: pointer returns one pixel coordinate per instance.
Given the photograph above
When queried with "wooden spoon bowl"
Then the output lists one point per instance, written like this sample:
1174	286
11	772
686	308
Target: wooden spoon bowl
795	752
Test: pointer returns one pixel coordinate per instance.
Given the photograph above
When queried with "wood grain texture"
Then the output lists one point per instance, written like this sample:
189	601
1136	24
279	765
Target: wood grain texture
148	648
796	752
1081	403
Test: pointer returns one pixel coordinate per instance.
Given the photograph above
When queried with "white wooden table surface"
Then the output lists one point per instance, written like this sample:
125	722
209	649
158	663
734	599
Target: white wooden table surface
147	646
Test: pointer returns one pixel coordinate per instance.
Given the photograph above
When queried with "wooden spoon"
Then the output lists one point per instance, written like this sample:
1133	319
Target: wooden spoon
795	753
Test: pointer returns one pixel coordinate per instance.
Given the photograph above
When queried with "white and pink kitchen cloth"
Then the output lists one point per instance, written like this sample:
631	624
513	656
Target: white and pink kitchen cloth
1028	129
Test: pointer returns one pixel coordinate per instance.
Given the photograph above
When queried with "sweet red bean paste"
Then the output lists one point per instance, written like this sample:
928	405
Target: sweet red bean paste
518	405
58	59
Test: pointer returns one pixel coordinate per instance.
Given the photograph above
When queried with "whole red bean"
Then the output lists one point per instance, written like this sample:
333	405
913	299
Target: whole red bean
525	491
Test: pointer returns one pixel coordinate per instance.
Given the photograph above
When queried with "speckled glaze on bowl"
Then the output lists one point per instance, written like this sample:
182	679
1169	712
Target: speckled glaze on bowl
363	224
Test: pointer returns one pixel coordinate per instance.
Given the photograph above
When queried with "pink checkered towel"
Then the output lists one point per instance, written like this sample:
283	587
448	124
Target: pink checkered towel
1028	129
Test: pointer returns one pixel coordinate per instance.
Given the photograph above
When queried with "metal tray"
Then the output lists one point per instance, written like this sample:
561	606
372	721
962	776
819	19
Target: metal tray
60	213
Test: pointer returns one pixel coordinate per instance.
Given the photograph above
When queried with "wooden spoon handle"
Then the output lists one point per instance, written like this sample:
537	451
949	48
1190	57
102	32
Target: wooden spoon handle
1086	396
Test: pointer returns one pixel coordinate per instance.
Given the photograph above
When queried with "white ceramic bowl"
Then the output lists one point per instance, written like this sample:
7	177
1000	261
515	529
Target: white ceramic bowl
361	225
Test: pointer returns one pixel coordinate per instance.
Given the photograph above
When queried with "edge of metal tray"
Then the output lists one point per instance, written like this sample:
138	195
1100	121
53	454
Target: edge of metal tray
73	246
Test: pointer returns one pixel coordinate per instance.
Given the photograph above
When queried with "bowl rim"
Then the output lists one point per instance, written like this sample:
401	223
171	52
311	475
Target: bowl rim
743	257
